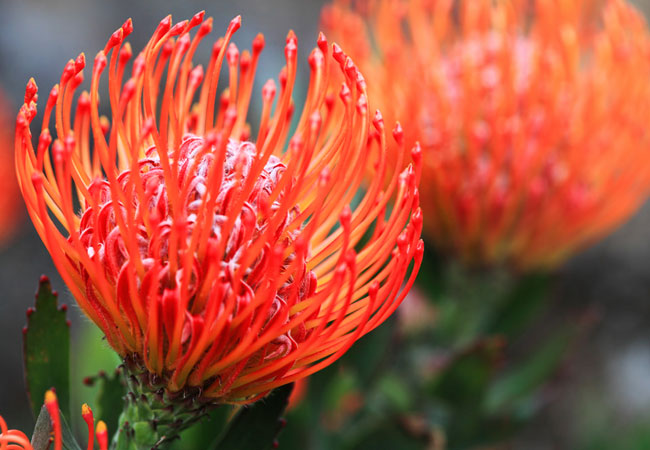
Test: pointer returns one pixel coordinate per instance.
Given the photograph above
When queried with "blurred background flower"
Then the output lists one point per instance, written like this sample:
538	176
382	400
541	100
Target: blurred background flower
11	208
531	116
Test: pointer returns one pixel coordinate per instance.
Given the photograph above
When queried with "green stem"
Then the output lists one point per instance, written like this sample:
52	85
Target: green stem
152	416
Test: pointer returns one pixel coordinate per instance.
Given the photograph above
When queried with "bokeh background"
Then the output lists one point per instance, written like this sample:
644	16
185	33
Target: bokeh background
604	386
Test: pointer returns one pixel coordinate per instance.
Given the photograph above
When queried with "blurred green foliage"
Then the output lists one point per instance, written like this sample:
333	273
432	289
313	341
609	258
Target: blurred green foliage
442	375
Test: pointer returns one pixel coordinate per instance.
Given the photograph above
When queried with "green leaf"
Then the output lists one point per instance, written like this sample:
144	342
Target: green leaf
43	428
523	380
46	349
395	432
110	399
522	304
256	426
202	434
396	392
469	373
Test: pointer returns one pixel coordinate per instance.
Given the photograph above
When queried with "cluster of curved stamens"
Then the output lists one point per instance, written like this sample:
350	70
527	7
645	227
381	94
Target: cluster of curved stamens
530	116
220	262
17	440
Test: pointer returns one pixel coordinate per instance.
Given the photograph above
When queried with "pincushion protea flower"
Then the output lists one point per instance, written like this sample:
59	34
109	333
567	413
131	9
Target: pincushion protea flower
10	208
531	116
17	440
219	268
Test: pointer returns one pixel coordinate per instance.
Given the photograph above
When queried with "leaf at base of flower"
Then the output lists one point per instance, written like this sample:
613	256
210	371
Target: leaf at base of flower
256	426
46	349
110	399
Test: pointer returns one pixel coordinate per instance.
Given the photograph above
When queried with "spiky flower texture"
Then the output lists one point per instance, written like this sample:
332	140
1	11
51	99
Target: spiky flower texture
218	267
531	116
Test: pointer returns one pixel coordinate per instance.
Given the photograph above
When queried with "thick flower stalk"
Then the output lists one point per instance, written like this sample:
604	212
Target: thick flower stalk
17	440
219	267
531	116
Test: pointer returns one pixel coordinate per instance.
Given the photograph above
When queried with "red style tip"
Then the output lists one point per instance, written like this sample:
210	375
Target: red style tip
37	181
245	61
30	311
68	71
268	91
196	75
165	24
216	47
416	153
30	90
324	176
337	54
291	48
77	80
50	398
345	93
100	62
416	217
362	105
378	121
315	121
346	216
258	44
127	28
329	101
86	412
322	43
350	68
178	28
54	95
205	27
197	19
21	121
115	39
234	24
316	59
125	53
101	433
167	49
398	134
148	127
232	54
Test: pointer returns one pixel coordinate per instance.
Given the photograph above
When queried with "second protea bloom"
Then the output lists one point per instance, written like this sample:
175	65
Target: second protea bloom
532	116
218	266
11	212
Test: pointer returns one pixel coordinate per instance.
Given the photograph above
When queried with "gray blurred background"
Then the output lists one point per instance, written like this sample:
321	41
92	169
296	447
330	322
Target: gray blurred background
605	384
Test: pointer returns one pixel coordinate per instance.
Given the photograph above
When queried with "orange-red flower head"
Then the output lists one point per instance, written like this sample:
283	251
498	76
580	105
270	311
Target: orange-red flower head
217	261
11	212
531	116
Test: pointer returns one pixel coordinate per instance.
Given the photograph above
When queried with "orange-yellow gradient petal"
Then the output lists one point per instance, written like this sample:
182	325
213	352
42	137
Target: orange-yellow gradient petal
532	116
